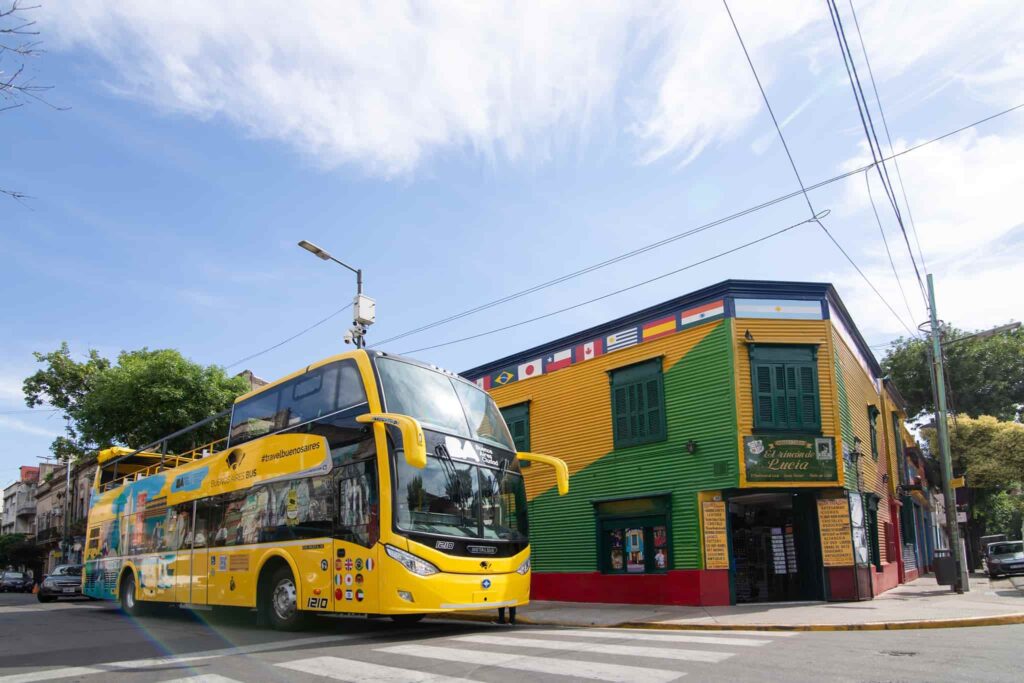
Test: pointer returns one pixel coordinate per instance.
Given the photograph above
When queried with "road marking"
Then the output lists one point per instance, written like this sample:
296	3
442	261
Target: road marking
356	671
40	607
722	632
653	637
170	661
204	678
602	648
615	673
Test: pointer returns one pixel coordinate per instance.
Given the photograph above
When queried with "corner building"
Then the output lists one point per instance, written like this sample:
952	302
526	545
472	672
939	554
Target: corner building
733	445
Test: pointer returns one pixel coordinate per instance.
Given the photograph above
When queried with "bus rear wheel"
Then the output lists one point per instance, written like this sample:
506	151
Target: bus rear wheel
281	602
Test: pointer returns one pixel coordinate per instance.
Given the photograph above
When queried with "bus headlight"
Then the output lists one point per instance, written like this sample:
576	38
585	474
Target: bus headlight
524	567
416	565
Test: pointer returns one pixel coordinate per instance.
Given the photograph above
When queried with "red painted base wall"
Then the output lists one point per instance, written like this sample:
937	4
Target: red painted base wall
887	579
678	587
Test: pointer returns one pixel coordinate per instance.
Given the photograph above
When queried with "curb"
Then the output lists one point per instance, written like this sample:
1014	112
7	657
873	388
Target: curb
961	622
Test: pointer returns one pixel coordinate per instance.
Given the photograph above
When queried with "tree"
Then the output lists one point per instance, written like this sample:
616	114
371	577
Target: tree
145	396
985	375
17	44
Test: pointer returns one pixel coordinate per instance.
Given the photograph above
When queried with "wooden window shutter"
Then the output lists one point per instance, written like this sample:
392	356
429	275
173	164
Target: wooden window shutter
763	396
638	405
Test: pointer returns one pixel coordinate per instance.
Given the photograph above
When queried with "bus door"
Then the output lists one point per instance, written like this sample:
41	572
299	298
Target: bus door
192	566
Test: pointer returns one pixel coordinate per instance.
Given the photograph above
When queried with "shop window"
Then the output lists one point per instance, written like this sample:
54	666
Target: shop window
785	388
517	418
633	536
638	404
873	426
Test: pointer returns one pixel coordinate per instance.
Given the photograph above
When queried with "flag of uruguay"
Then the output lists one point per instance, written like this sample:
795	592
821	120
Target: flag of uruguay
621	340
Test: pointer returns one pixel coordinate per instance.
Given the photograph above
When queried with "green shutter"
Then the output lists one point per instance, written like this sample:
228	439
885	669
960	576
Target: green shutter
873	426
638	406
785	388
517	418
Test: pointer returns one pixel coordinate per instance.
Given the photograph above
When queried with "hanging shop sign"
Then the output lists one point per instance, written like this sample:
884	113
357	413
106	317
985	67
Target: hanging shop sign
716	541
789	459
834	528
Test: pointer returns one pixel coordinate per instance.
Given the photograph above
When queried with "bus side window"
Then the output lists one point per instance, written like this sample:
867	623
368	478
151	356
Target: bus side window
358	503
225	523
200	538
256	417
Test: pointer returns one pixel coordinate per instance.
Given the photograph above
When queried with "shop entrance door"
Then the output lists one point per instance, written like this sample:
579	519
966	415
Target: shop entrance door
774	547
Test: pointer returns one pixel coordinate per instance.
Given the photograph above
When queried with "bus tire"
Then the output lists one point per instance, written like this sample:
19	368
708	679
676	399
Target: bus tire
130	604
281	601
407	619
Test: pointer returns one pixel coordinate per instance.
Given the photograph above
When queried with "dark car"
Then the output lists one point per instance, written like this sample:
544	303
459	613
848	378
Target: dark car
16	582
65	581
1005	557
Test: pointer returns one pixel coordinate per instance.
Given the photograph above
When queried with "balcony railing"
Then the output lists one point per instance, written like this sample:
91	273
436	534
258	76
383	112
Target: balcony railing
23	510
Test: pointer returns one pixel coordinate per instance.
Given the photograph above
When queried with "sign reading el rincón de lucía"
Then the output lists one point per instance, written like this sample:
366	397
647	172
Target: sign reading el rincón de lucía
788	458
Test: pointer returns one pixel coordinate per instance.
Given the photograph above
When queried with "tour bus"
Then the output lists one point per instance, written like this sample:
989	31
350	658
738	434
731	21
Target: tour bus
366	483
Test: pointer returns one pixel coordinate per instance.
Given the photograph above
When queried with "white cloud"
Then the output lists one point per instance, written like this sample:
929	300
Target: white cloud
14	424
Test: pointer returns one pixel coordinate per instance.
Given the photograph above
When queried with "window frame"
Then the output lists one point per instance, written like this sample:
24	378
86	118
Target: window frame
518	412
873	414
784	356
638	376
659	514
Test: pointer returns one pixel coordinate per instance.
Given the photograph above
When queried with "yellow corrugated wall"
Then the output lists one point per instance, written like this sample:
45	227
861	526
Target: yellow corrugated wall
784	332
860	393
579	429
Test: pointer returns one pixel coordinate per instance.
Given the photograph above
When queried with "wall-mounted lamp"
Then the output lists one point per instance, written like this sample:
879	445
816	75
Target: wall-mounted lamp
691	446
749	337
885	478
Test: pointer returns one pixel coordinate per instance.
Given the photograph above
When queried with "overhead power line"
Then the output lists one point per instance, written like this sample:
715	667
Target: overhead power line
868	124
888	137
618	291
29	410
649	247
796	172
885	241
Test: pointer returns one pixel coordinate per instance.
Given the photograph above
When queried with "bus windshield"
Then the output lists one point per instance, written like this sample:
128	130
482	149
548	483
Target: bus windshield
441	402
455	498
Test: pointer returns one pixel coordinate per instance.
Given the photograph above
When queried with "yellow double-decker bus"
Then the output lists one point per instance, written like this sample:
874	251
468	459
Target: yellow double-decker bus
366	483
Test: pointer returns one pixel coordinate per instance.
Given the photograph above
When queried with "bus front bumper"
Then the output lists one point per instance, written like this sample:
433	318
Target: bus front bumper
447	592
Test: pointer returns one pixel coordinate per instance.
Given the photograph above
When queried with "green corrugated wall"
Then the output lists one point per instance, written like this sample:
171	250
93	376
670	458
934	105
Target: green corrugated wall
700	405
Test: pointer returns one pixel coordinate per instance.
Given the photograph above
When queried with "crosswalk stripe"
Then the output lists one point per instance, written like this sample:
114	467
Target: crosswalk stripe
364	672
646	636
603	648
750	633
616	673
203	678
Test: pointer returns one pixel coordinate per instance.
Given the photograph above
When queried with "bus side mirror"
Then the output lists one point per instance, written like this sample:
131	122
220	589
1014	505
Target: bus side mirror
561	469
413	445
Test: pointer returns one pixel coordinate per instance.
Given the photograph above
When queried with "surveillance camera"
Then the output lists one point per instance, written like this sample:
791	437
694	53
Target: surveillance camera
348	337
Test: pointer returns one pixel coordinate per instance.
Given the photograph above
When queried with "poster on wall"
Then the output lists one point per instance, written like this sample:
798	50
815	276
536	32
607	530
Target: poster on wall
618	556
834	529
789	459
716	540
635	550
860	535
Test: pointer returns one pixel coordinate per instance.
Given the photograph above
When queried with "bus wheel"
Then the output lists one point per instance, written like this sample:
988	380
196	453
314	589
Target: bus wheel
406	619
129	603
282	602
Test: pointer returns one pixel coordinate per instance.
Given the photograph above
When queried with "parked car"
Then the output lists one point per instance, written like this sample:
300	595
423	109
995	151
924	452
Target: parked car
64	582
16	582
1005	557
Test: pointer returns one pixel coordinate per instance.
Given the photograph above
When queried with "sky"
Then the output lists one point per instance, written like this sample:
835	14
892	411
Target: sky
460	152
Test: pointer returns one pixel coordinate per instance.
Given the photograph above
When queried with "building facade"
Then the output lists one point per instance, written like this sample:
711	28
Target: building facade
733	445
64	543
20	502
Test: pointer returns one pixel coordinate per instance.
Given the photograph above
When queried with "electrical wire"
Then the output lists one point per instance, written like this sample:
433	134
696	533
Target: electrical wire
799	180
667	240
29	410
617	291
888	137
885	241
868	124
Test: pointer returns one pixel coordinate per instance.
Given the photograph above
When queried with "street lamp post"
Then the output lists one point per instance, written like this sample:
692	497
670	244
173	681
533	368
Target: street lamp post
364	311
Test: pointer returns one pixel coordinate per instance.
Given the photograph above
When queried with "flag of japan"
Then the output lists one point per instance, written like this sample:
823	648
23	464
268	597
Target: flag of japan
591	349
531	369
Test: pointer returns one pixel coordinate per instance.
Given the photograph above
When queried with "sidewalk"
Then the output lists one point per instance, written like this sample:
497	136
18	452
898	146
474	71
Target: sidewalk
919	604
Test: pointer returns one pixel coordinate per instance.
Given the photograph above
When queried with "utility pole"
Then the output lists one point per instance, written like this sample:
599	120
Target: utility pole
960	585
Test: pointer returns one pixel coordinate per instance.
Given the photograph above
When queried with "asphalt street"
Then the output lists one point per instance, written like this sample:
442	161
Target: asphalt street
90	641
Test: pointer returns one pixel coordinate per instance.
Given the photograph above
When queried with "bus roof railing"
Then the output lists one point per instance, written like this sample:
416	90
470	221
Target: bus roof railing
159	447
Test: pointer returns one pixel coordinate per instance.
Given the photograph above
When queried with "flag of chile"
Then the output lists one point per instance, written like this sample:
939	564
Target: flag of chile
557	361
592	349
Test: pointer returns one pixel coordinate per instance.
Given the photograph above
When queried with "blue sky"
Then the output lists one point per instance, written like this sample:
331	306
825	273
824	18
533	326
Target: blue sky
458	153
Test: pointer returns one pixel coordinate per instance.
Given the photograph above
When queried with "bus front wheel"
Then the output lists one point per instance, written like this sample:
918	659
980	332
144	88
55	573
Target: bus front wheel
280	603
129	602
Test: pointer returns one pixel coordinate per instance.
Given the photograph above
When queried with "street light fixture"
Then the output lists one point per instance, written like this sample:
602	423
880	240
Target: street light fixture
364	309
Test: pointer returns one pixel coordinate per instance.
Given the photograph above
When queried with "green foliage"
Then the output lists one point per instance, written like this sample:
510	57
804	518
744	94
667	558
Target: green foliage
990	451
145	396
1000	512
986	375
16	551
